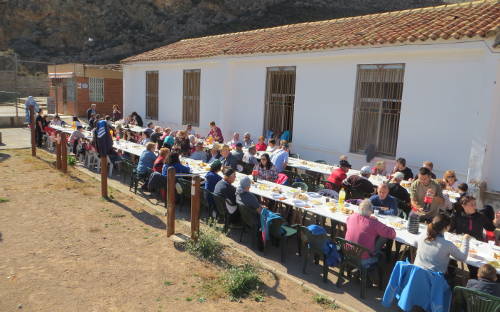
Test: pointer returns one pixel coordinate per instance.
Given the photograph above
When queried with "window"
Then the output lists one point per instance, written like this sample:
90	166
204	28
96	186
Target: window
96	89
280	99
191	98
152	95
70	89
377	106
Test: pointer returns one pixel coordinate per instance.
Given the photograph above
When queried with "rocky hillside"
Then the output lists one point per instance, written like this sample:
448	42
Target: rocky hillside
105	31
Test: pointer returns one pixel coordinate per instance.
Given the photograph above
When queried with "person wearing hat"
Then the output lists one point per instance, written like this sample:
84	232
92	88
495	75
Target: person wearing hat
244	197
358	186
199	153
212	177
399	192
224	188
338	175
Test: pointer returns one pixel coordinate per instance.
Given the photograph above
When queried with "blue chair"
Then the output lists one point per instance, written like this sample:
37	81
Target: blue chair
285	135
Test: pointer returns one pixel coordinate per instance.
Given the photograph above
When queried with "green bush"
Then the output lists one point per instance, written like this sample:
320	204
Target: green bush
325	302
207	247
241	281
71	160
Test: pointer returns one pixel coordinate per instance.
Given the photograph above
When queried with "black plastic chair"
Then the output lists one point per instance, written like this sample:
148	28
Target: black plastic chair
250	220
352	259
207	202
280	232
470	300
247	168
312	244
185	197
321	162
220	208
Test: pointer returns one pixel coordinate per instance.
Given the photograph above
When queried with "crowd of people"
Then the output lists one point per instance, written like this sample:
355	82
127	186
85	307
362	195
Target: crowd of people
404	194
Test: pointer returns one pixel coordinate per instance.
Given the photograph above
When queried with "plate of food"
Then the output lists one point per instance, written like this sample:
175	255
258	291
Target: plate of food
495	264
301	196
263	187
276	189
278	196
316	202
397	225
299	203
314	195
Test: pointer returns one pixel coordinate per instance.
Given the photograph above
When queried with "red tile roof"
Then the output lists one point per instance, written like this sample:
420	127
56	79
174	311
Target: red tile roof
469	20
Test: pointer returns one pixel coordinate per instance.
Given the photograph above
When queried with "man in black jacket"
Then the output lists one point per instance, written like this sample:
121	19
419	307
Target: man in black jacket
358	186
91	111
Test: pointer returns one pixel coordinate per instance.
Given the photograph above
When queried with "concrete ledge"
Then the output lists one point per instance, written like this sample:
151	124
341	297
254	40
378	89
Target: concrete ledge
11	121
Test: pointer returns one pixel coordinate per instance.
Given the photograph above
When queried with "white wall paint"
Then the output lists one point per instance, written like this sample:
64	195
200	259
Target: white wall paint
448	99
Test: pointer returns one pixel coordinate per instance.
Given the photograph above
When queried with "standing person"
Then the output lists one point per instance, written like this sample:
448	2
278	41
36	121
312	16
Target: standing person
30	102
215	133
116	114
434	251
280	157
137	119
39	132
401	167
261	145
91	111
338	175
426	196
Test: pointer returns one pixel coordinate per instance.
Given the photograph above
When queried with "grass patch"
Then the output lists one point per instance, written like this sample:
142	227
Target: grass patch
240	281
3	200
207	247
325	302
168	283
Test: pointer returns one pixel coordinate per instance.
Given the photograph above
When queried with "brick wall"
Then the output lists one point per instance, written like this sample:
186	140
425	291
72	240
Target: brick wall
82	97
113	94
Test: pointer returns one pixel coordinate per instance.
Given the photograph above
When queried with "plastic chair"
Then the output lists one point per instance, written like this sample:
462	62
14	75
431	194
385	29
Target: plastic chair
220	208
300	185
186	191
312	244
352	256
250	220
281	233
247	168
470	300
207	202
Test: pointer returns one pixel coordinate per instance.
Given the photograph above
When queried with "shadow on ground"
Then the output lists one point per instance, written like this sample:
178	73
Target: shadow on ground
143	216
4	157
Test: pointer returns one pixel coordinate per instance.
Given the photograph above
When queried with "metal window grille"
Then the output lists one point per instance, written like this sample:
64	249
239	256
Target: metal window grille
70	89
191	97
379	90
152	95
280	98
96	89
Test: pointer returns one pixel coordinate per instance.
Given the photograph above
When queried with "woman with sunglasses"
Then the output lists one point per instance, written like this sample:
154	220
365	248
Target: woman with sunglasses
450	179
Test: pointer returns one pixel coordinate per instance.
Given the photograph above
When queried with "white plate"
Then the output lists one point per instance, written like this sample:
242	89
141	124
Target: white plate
276	195
299	203
314	195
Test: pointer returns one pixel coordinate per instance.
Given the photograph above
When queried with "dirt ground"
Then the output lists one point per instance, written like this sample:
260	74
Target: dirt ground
62	248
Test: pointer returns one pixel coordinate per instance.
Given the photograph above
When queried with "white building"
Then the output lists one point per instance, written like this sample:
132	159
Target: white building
421	84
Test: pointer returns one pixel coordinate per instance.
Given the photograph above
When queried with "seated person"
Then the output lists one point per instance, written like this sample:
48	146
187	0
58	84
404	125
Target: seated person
173	160
486	280
467	220
450	180
265	169
280	157
338	175
398	191
57	121
238	152
161	159
214	154
244	197
235	140
228	159
169	140
247	141
145	138
224	188
249	157
358	186
434	251
199	153
183	144
271	147
212	177
75	138
147	159
368	232
189	130
462	189
401	167
425	189
156	135
379	168
386	203
261	144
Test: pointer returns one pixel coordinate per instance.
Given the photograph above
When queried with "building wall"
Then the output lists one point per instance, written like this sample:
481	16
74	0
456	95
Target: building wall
447	106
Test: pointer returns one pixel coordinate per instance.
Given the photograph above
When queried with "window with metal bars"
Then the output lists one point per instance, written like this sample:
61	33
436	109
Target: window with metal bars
96	89
191	97
152	95
70	89
280	98
379	89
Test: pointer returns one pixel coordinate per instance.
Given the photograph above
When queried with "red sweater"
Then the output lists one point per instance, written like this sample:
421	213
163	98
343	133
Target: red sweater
364	231
337	176
261	147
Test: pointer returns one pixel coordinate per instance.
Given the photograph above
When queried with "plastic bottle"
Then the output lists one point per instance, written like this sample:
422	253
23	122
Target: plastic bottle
341	198
429	196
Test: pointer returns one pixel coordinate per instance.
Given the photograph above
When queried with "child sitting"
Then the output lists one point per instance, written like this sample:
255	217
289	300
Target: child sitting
486	280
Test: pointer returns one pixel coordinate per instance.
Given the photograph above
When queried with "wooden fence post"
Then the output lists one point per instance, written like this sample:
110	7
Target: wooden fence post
170	201
33	129
58	150
64	153
104	176
195	207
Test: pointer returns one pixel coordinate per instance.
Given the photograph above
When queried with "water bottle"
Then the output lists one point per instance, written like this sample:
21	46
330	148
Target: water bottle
429	196
341	198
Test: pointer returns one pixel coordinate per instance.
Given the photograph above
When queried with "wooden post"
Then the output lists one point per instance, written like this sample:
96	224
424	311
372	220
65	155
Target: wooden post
104	176
58	150
195	207
33	129
170	201
64	153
